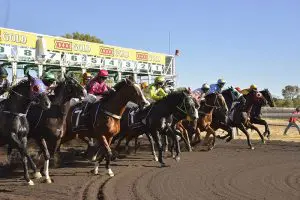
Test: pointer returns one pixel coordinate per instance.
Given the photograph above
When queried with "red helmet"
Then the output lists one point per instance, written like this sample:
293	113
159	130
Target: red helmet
238	89
103	73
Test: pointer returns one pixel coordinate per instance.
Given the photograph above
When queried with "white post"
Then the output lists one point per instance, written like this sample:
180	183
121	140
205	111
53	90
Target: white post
119	76
149	79
14	72
135	77
40	70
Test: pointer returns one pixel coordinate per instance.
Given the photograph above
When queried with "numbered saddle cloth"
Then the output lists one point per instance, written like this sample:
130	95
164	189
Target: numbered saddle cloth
84	119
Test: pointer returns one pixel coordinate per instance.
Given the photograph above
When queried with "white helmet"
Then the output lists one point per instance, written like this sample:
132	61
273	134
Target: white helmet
205	86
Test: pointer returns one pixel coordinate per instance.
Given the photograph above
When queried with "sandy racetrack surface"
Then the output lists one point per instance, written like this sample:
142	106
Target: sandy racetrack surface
230	171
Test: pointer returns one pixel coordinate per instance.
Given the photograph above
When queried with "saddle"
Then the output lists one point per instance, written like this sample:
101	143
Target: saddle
83	117
137	117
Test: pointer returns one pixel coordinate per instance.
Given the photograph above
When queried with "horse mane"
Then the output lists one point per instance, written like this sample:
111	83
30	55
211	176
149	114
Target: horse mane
21	83
171	96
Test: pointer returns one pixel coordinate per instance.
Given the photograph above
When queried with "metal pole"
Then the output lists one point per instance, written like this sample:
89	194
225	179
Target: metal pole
169	42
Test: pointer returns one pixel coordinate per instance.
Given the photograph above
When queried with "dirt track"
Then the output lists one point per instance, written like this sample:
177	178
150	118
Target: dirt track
230	171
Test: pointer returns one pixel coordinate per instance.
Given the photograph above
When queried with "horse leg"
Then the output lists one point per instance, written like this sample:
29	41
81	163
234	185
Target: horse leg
229	131
166	143
176	143
257	130
150	138
36	173
106	144
9	150
22	149
243	129
210	131
157	140
43	146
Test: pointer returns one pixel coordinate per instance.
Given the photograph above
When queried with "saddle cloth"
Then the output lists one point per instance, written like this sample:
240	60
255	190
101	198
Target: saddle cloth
82	122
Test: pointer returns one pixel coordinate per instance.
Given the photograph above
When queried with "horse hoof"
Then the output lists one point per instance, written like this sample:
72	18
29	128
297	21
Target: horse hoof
48	181
37	175
163	165
173	156
31	183
94	171
252	148
263	142
177	158
110	173
155	158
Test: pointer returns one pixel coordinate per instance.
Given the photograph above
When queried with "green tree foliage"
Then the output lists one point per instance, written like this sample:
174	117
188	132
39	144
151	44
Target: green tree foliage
83	37
291	92
291	96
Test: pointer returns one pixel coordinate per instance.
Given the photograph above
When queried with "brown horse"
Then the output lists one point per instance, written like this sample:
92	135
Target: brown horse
212	101
103	120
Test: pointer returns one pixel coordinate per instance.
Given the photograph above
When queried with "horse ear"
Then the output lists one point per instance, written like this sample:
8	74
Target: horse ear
30	78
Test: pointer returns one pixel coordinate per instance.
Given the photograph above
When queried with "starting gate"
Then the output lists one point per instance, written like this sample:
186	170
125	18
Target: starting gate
22	50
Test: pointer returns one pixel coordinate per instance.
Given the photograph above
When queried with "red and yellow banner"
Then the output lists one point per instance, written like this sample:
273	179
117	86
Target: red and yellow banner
20	38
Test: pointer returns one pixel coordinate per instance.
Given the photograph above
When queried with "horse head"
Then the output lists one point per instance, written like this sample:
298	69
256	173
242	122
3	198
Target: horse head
267	95
131	92
216	101
67	89
229	96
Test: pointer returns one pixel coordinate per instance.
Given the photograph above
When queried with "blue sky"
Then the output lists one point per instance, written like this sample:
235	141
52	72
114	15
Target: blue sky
243	41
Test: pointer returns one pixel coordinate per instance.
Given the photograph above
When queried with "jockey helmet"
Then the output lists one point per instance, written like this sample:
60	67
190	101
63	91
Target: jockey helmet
144	85
159	80
48	76
103	73
87	75
238	89
205	86
3	72
221	82
253	87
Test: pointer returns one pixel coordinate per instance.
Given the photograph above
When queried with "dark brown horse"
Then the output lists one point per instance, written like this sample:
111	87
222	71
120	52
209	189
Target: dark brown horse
213	101
103	120
14	126
47	127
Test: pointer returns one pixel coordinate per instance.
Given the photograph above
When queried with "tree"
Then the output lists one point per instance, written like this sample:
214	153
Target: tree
83	37
290	92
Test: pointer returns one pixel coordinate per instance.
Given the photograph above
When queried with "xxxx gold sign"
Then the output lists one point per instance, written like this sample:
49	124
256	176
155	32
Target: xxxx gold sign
19	38
150	57
71	46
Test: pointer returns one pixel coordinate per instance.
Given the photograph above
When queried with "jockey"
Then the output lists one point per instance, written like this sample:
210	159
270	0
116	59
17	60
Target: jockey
96	88
97	85
217	87
200	93
238	103
86	77
250	89
49	80
4	83
156	90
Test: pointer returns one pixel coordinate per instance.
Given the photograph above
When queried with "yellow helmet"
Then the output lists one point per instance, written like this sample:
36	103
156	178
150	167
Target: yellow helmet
159	80
86	75
144	84
253	87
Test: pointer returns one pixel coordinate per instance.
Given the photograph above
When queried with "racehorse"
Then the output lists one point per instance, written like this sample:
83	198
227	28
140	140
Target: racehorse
160	118
241	116
220	118
213	101
103	120
47	126
255	115
14	126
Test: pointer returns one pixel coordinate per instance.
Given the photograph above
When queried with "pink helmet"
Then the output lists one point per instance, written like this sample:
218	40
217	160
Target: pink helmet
103	73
